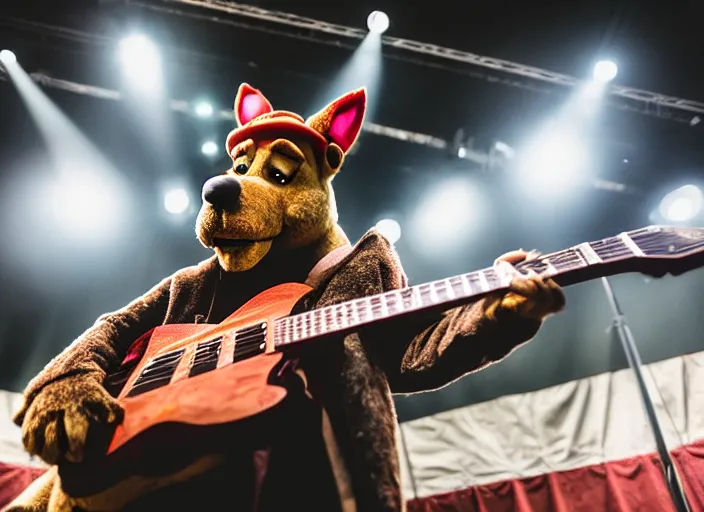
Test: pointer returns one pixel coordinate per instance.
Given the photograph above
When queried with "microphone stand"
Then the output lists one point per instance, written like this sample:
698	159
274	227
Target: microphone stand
620	327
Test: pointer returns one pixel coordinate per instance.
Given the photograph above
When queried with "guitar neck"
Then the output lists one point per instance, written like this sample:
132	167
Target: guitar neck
576	264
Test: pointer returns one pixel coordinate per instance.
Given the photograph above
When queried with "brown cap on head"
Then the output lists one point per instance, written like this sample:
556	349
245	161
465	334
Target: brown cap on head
340	122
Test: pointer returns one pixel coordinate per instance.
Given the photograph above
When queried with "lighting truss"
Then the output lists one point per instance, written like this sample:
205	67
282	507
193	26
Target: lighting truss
184	107
312	25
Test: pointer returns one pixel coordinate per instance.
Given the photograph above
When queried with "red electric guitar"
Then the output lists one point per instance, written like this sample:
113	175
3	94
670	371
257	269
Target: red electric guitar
196	378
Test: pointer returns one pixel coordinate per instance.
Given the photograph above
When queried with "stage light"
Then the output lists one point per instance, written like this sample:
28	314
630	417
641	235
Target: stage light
204	109
141	62
84	204
176	200
447	216
605	71
504	149
553	162
7	57
390	229
682	204
209	148
378	22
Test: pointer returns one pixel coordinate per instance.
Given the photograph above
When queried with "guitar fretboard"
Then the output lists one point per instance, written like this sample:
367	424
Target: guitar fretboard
655	243
466	287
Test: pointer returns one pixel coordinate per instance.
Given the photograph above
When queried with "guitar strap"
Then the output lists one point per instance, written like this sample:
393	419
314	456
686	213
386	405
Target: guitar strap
331	259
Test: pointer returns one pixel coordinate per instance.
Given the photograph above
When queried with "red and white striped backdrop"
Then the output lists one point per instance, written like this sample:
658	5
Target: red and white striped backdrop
582	445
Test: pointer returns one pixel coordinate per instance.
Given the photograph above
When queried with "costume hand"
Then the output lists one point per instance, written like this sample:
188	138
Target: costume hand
56	424
530	296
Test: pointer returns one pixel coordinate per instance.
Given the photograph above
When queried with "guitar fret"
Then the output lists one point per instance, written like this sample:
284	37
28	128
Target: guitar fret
416	298
366	309
304	325
326	319
334	318
632	246
390	301
425	293
466	285
550	269
303	329
372	306
316	324
455	286
447	288
434	297
483	283
403	299
354	313
287	331
588	254
343	316
323	321
384	305
504	274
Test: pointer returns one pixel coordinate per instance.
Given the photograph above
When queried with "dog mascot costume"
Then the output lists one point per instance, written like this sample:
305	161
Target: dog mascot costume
271	219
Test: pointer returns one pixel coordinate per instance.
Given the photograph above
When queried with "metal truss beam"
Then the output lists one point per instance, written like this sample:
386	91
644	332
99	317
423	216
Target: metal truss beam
480	159
309	24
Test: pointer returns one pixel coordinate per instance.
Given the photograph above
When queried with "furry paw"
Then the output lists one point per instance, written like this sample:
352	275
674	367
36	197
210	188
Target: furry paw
56	424
530	296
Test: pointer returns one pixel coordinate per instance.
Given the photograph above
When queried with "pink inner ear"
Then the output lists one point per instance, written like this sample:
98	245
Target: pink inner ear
345	126
251	106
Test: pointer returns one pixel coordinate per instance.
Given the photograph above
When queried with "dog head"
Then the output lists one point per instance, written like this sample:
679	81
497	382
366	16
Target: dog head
277	195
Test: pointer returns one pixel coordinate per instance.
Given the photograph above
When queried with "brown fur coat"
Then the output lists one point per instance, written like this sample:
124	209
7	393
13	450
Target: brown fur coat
341	453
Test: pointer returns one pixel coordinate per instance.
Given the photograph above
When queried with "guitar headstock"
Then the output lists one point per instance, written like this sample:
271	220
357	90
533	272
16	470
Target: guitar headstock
671	249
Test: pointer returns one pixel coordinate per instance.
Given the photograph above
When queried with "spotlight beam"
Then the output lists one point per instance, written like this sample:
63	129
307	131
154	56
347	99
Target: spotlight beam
645	98
185	107
87	184
363	69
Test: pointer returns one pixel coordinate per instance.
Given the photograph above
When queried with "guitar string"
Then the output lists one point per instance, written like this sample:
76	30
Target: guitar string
612	247
316	322
391	300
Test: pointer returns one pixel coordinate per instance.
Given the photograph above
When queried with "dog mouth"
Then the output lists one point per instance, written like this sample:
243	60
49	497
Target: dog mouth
224	243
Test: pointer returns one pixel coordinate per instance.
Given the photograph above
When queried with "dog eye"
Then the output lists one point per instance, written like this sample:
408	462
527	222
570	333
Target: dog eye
241	168
277	176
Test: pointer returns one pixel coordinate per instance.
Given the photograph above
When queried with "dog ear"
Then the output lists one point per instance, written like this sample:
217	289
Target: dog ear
249	104
341	121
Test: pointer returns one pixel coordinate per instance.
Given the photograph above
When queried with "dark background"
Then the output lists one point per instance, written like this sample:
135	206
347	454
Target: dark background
53	287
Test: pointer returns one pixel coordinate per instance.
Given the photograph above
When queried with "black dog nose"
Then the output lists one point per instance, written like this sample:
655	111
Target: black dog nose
223	192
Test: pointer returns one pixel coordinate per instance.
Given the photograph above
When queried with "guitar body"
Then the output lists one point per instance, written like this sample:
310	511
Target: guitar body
199	396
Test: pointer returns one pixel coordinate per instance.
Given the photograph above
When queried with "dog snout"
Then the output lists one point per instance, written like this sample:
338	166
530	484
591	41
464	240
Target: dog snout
223	192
